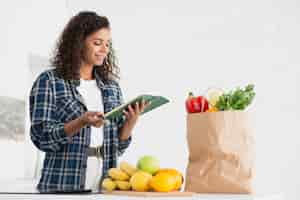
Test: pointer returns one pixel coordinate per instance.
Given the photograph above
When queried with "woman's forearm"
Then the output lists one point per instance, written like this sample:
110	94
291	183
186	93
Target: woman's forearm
125	132
74	126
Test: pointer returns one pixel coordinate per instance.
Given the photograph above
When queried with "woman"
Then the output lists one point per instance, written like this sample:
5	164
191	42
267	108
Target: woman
67	105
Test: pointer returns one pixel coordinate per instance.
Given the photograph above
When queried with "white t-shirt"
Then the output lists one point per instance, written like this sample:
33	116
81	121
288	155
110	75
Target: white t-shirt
93	100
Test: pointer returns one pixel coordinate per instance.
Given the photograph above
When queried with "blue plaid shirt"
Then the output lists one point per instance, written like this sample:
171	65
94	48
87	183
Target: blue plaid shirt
53	102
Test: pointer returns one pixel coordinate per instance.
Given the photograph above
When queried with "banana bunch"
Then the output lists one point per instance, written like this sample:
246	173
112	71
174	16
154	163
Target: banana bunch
118	174
119	177
128	168
109	185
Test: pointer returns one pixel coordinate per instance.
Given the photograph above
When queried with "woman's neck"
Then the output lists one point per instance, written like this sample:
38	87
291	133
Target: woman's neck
86	72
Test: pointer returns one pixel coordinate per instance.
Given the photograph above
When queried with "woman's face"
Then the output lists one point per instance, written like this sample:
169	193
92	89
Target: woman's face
97	47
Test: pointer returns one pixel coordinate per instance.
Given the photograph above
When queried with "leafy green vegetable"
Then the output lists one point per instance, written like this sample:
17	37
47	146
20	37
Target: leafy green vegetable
238	99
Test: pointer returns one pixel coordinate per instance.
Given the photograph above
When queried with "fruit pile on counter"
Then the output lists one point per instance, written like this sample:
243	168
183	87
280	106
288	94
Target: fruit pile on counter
145	176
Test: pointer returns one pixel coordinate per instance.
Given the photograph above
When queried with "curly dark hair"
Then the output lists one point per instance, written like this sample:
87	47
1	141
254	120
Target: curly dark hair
69	50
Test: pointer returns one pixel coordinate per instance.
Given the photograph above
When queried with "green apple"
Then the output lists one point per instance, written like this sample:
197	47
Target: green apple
148	164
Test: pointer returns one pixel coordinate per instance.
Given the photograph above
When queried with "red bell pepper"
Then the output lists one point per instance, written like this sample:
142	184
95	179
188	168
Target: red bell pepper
196	104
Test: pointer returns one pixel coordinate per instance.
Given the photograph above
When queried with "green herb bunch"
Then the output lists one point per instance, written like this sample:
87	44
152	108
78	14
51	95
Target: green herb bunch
237	99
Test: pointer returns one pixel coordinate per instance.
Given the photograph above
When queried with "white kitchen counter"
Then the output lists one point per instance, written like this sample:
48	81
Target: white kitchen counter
28	186
109	197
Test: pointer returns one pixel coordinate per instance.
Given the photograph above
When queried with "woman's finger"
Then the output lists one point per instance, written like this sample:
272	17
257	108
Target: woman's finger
148	103
96	118
98	123
131	111
126	114
143	105
100	115
137	108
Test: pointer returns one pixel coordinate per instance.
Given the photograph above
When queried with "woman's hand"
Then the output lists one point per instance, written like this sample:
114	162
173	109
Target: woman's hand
88	118
132	115
95	119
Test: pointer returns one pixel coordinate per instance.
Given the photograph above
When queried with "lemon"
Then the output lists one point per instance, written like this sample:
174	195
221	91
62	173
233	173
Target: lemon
213	94
176	174
163	182
140	181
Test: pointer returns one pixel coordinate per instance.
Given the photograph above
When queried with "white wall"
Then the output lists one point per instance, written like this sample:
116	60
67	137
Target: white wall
170	48
28	29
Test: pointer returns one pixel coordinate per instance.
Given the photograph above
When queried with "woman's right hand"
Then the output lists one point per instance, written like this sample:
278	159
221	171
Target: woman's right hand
91	118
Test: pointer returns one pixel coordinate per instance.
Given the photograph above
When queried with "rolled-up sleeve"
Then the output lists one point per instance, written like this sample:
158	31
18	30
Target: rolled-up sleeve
123	144
46	132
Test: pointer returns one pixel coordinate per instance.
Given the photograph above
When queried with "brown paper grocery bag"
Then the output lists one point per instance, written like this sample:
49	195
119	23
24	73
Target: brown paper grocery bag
221	152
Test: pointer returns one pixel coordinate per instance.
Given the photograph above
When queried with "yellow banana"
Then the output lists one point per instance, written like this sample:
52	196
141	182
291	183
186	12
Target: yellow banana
123	185
127	168
117	174
108	184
